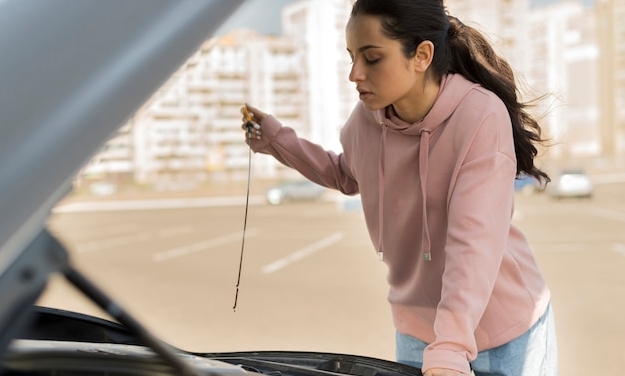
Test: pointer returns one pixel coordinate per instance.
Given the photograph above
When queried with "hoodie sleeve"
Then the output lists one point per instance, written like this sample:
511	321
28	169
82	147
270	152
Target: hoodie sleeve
480	211
311	160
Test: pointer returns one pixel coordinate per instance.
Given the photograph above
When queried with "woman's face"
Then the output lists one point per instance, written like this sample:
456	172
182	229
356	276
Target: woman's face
383	75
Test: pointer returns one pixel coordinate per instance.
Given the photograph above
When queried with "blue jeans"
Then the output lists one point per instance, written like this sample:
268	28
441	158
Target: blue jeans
535	353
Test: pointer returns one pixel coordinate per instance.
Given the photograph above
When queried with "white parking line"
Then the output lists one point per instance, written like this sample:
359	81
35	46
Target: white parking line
300	254
161	203
580	247
139	237
103	230
202	246
608	214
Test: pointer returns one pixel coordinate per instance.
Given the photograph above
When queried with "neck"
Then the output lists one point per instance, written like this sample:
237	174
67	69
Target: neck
419	105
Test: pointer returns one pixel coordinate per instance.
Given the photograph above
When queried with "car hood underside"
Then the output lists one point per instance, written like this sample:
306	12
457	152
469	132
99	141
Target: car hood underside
61	342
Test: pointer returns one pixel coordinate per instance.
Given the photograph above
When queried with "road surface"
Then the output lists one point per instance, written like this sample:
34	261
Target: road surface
310	279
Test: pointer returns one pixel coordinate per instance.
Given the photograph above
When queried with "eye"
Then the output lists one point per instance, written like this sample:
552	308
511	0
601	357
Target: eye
371	59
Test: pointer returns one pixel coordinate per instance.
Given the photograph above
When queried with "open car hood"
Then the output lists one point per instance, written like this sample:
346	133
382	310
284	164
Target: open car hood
46	357
92	344
71	73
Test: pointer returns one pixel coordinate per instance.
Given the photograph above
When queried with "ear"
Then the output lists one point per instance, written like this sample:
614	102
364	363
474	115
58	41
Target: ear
423	56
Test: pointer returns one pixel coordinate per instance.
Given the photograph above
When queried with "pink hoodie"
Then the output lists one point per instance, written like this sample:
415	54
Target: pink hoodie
438	199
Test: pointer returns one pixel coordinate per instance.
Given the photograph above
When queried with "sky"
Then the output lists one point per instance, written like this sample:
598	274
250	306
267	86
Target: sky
264	15
260	15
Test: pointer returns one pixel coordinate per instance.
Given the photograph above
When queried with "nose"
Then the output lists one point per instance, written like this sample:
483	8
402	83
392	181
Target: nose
356	74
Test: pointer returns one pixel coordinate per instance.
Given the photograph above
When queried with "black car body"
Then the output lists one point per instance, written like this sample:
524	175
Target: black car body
70	74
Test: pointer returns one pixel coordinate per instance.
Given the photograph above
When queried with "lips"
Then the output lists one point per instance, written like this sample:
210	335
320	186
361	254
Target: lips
363	94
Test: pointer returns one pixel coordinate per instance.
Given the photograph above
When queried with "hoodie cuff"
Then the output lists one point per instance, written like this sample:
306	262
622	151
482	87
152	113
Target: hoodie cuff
269	128
440	358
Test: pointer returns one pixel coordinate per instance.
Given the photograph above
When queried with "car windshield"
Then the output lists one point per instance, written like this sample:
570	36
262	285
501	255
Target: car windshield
215	249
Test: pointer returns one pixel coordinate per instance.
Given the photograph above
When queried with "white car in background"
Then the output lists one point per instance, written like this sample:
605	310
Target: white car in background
570	183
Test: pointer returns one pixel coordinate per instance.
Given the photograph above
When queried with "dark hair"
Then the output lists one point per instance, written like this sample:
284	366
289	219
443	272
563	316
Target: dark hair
459	48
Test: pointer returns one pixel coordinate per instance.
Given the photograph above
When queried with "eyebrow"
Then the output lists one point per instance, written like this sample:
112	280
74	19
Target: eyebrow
366	47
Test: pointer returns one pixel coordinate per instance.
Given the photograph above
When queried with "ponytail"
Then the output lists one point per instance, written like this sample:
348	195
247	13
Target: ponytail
471	55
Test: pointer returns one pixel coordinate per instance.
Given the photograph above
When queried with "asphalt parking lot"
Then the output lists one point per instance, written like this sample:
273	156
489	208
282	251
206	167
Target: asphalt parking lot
310	279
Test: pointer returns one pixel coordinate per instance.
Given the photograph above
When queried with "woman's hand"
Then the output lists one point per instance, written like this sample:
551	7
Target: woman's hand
444	372
252	117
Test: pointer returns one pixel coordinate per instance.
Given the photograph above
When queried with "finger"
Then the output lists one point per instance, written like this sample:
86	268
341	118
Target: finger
253	130
249	129
255	113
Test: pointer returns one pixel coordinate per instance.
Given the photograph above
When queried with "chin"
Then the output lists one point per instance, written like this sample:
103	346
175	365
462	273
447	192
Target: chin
372	106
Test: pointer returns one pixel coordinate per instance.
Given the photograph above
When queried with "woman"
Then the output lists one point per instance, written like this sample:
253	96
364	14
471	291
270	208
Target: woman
433	147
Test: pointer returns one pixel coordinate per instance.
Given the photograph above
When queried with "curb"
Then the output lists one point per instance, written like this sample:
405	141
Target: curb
154	203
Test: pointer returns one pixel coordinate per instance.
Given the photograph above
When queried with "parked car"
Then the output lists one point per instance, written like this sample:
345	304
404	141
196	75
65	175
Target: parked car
76	71
570	183
299	190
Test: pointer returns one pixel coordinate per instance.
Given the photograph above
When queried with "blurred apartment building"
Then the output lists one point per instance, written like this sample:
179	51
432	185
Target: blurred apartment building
189	131
564	67
611	42
578	58
503	22
572	58
318	27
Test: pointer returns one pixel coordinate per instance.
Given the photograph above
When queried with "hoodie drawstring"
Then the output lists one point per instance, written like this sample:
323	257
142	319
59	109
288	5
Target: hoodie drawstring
424	151
423	178
381	191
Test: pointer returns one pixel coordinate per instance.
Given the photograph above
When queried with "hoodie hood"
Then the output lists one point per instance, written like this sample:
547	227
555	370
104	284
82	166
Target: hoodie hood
453	89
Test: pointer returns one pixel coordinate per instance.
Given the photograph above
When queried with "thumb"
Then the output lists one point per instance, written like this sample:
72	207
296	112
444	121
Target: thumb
257	114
